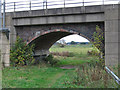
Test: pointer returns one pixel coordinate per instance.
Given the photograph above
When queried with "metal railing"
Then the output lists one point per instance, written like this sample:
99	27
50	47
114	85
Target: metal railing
48	4
113	75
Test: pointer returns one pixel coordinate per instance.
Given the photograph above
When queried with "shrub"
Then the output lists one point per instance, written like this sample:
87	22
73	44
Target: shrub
51	60
98	37
92	52
21	54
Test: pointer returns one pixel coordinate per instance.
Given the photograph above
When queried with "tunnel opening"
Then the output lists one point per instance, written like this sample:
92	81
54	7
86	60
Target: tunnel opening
43	42
73	50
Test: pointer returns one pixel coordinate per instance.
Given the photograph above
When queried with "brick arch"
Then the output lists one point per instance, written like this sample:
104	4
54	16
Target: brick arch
49	34
85	29
45	40
51	31
89	39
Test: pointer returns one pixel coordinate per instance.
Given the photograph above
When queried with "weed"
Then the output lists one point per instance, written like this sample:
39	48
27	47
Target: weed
90	75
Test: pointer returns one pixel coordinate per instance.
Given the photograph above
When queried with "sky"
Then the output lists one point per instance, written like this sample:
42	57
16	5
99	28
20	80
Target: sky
69	38
75	37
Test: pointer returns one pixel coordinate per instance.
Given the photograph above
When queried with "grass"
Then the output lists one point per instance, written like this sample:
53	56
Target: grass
77	49
32	77
79	53
45	76
48	77
89	76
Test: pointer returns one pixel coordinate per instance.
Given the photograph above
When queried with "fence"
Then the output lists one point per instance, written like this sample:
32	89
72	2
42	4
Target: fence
38	4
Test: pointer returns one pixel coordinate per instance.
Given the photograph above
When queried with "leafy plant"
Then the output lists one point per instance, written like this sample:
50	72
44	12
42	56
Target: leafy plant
94	51
98	37
21	54
49	59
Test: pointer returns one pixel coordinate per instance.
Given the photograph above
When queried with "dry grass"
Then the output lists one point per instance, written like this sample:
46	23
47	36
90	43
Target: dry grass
92	76
63	54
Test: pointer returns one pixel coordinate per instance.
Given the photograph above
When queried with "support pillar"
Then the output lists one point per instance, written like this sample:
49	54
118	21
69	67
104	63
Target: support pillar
112	37
5	50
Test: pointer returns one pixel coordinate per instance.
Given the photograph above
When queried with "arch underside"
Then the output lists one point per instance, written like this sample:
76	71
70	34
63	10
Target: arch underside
44	42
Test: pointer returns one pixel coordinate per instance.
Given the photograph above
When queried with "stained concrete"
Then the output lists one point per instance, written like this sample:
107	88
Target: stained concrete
112	32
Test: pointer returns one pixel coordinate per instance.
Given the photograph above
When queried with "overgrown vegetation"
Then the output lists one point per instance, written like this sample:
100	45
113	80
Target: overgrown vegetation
51	60
94	51
89	75
63	54
99	42
21	54
99	39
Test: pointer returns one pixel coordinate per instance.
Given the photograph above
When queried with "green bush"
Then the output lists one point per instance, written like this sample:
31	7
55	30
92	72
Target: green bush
98	37
51	60
21	53
94	51
100	44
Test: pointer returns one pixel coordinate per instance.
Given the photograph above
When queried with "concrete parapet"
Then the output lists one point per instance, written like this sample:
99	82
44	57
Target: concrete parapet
57	19
67	10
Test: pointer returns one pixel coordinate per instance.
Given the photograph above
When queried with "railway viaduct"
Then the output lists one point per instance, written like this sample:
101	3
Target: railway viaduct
45	27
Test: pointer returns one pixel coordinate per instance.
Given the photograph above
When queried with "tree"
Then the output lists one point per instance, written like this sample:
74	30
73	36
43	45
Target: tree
61	43
72	42
21	54
83	43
